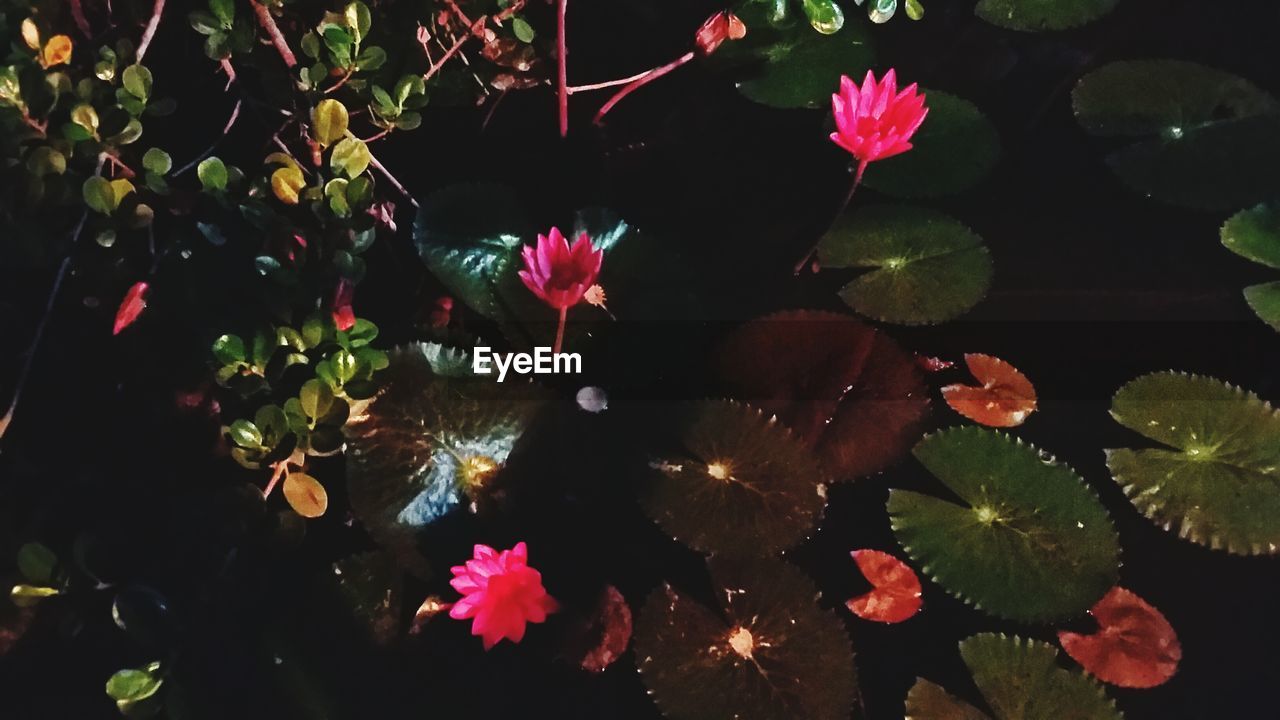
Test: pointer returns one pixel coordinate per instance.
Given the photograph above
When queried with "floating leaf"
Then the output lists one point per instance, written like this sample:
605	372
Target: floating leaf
602	637
1134	647
1021	680
373	589
428	444
134	302
1213	135
925	266
1038	15
927	701
768	652
1217	480
305	494
1255	234
1028	541
791	66
1005	398
954	149
845	388
329	121
739	481
895	593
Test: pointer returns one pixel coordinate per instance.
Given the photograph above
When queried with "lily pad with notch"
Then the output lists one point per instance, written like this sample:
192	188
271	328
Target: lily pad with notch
846	388
923	267
1216	480
430	444
768	652
1027	540
1255	234
735	480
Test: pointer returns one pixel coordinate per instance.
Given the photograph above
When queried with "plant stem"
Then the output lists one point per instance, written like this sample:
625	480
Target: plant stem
608	84
642	80
281	471
373	160
562	67
453	50
564	316
235	113
857	180
77	14
156	10
268	23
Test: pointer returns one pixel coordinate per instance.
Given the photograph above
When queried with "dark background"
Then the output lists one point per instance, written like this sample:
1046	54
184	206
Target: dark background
1094	286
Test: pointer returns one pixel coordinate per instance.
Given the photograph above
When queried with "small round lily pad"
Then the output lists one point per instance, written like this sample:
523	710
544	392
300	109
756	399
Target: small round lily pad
1028	541
1216	481
766	653
739	480
924	266
953	150
1037	15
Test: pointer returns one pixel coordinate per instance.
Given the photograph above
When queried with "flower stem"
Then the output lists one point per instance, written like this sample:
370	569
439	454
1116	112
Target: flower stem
564	315
642	80
268	24
562	67
150	31
853	188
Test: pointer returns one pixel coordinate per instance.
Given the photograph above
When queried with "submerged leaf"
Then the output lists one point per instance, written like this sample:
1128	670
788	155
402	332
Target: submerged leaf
925	266
845	387
769	653
603	636
895	595
951	152
1216	481
1029	541
1134	647
1037	15
1005	398
1021	680
740	481
429	444
927	701
372	586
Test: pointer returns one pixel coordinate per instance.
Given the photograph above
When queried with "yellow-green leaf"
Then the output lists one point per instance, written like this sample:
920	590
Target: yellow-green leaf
329	122
305	495
286	182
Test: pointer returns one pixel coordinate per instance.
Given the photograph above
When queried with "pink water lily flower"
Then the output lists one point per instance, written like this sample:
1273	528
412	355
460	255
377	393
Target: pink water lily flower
501	593
560	274
875	121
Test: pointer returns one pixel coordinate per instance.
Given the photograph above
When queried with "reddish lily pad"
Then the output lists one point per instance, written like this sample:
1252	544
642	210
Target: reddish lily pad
603	636
767	653
1135	646
851	392
1005	398
895	596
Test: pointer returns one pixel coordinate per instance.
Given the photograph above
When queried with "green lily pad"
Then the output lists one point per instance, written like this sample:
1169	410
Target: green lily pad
925	266
1021	680
767	653
1264	299
954	149
1038	15
1212	136
927	701
429	444
1028	541
794	66
738	481
1255	234
845	387
1217	480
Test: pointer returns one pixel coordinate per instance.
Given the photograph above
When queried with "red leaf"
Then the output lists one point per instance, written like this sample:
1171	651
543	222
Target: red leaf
343	316
933	364
1005	398
896	595
845	387
594	642
1135	646
135	301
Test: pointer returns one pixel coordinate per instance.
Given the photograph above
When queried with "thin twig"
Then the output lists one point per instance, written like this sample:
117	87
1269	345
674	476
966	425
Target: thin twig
641	81
347	76
268	23
373	160
230	70
156	11
27	363
562	67
853	188
612	83
235	113
453	50
77	14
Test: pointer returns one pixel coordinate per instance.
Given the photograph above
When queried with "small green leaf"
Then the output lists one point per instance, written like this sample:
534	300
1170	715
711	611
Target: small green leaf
37	563
133	685
245	434
371	58
1255	234
86	117
137	80
1038	15
229	350
358	19
1264	300
350	157
522	29
45	160
329	121
29	595
316	399
924	266
98	195
213	174
224	10
157	161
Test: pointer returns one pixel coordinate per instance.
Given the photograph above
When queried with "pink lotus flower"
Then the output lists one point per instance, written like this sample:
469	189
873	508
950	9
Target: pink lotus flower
876	121
501	592
560	274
